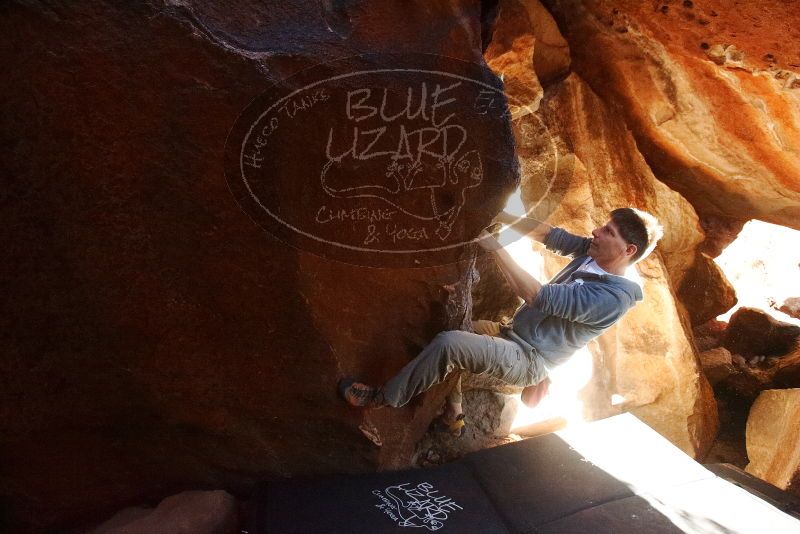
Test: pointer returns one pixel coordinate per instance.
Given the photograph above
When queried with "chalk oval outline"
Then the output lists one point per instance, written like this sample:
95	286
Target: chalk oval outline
510	99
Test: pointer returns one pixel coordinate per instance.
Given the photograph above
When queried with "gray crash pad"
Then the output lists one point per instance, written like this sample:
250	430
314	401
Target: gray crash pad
616	475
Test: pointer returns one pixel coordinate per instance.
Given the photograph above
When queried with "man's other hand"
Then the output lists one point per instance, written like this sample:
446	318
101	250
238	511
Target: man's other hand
533	395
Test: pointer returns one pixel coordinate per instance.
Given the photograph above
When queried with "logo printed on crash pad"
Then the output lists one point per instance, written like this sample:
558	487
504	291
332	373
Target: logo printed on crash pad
416	505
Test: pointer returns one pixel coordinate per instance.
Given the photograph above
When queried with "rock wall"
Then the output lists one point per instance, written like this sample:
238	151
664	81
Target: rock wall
711	91
154	337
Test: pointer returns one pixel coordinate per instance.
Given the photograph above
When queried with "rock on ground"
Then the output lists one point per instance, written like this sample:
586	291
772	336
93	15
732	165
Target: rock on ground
773	438
190	512
752	332
791	307
717	364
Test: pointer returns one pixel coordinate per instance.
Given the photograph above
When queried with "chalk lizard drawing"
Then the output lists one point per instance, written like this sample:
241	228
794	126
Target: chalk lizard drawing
424	190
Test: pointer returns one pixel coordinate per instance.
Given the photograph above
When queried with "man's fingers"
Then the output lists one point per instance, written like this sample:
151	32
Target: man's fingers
505	218
487	241
494	228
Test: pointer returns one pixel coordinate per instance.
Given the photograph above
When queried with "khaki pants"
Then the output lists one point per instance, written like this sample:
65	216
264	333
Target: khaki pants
484	352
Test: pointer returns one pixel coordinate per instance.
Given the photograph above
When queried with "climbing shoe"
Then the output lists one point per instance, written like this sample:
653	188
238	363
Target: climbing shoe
454	428
358	394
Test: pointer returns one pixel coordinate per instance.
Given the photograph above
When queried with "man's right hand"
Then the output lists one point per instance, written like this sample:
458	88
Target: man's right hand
488	242
505	218
532	228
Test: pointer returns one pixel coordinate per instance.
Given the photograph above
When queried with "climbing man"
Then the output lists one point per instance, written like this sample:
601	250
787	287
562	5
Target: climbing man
556	319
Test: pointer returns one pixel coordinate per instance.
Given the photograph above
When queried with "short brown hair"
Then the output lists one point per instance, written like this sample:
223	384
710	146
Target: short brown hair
638	228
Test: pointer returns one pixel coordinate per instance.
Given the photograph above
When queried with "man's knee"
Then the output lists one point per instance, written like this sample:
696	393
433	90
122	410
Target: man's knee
459	349
445	348
484	327
449	339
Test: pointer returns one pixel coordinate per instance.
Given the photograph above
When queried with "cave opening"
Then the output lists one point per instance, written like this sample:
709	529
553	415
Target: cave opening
763	265
753	347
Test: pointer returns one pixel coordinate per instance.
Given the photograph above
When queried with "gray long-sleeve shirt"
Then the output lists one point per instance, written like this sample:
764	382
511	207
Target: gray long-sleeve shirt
574	307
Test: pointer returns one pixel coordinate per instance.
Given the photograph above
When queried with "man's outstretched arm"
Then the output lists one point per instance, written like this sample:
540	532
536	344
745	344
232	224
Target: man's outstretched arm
525	225
523	284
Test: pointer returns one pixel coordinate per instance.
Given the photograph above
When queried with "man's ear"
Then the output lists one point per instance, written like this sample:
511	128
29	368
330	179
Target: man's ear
630	250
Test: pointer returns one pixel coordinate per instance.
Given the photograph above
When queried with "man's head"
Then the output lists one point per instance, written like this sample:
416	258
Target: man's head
628	236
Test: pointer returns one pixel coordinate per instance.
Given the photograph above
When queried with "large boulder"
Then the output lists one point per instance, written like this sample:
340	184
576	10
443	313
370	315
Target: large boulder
752	332
157	338
773	438
766	353
710	93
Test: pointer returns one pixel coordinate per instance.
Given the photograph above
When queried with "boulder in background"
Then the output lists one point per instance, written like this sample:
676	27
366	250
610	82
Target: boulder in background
773	438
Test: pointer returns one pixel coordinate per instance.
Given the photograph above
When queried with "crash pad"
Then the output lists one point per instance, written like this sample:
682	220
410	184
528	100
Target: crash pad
615	475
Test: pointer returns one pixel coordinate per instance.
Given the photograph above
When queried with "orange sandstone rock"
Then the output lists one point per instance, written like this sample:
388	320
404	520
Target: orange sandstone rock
527	39
712	94
773	438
